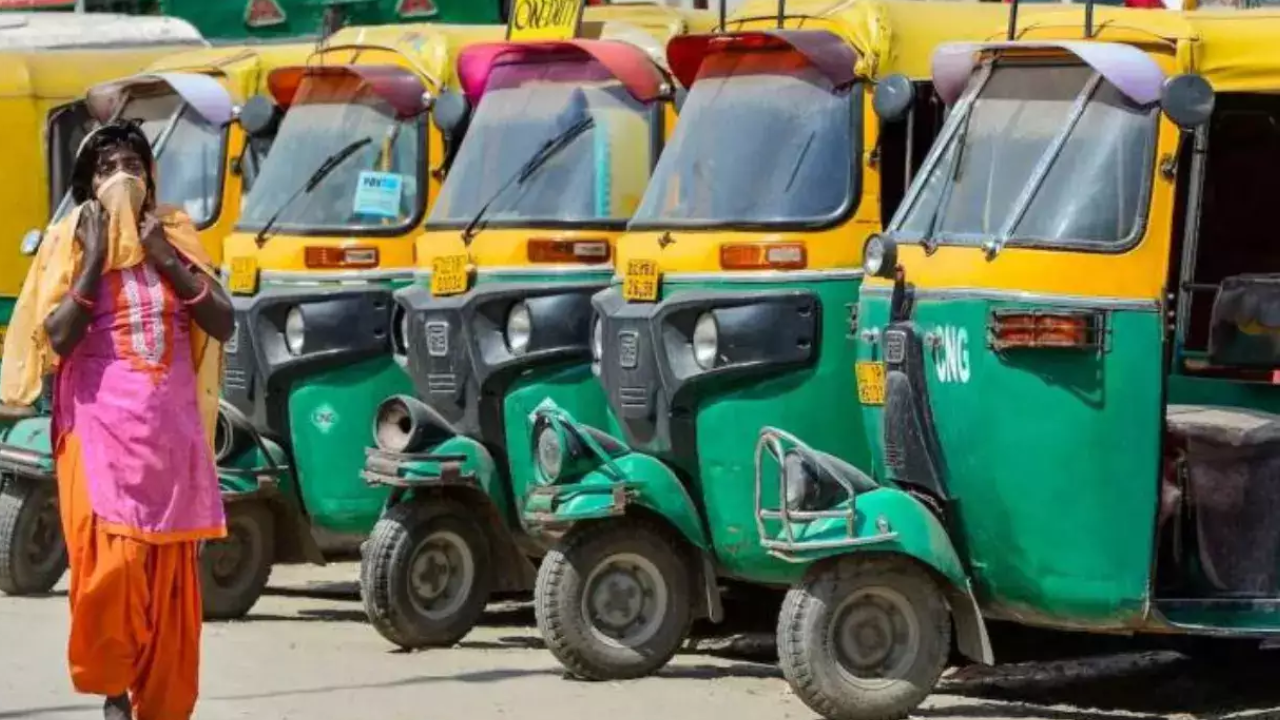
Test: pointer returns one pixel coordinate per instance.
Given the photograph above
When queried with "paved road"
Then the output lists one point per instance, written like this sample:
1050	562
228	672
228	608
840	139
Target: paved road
306	653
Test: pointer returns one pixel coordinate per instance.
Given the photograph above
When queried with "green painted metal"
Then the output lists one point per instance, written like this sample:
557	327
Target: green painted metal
33	435
330	424
728	418
238	475
478	462
1052	457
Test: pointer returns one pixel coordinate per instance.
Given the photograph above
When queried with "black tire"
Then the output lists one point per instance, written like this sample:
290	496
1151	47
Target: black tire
234	571
401	603
576	640
33	553
818	667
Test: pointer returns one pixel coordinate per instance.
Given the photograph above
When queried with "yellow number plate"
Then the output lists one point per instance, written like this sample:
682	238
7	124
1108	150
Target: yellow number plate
449	274
640	281
244	276
871	383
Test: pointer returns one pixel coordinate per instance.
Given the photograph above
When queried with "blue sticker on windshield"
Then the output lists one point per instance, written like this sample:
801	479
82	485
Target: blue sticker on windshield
378	194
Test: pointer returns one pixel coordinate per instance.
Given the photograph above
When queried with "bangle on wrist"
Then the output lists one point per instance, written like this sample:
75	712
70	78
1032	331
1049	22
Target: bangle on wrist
204	292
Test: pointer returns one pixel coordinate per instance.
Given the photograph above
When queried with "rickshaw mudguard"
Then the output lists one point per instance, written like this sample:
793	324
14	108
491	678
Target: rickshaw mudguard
26	448
889	521
261	472
608	490
458	460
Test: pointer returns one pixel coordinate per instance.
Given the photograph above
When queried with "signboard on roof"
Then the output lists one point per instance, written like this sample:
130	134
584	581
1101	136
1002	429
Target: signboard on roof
544	19
263	13
35	4
417	9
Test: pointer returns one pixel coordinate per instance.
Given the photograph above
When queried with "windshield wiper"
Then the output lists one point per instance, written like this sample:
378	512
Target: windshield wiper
540	158
326	167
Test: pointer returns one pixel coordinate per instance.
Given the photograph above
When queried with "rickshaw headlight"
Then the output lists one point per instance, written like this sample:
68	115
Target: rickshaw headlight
706	341
550	449
519	328
799	483
295	329
597	340
879	256
401	341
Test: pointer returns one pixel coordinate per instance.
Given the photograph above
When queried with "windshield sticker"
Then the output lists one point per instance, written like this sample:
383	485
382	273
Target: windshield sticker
378	194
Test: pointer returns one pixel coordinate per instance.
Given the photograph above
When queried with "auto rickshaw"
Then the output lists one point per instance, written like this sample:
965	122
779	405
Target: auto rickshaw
563	139
325	236
1066	354
738	273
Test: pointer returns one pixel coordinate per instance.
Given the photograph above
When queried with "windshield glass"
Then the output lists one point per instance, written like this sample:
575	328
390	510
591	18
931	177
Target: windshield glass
763	139
378	187
599	176
1093	190
188	162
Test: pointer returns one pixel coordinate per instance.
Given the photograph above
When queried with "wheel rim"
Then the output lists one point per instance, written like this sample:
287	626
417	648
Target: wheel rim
43	546
441	574
229	558
875	636
625	601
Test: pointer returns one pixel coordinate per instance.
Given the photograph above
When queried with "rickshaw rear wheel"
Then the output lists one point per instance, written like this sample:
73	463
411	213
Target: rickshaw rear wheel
425	574
612	598
33	553
234	570
864	638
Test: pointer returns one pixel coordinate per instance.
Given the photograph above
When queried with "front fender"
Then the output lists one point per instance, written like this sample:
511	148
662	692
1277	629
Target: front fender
258	469
26	448
607	490
458	456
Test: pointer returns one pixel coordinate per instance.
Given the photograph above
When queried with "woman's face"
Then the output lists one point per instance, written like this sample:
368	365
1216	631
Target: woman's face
114	160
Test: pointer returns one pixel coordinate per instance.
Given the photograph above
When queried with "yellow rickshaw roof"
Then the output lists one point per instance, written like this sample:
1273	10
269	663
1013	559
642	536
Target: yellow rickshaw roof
64	74
890	36
431	45
1235	50
244	66
37	31
658	21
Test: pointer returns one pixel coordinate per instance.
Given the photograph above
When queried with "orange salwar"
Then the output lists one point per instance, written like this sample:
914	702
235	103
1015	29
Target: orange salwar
135	606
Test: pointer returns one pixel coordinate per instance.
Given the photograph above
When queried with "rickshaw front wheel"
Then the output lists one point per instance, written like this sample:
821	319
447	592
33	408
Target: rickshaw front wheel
234	570
612	599
864	638
425	574
33	554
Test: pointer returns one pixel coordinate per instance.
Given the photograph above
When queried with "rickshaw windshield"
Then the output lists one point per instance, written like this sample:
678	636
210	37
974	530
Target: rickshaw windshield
376	184
597	177
763	139
189	154
1041	156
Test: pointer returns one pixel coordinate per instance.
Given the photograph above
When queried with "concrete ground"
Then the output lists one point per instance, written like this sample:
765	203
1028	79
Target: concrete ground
306	652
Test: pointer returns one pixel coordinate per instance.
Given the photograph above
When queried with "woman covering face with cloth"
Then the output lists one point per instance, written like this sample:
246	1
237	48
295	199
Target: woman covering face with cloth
122	307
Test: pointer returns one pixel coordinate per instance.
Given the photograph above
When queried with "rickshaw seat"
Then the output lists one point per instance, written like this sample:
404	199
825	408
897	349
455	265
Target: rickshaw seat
1233	488
1245	323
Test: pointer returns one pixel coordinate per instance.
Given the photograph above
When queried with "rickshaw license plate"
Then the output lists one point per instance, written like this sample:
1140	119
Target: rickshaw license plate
640	281
449	274
870	383
244	276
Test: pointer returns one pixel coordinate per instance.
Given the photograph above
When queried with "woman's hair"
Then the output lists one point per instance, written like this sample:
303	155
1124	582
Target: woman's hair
105	139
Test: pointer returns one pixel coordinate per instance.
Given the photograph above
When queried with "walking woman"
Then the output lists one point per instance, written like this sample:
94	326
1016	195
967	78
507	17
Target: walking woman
122	306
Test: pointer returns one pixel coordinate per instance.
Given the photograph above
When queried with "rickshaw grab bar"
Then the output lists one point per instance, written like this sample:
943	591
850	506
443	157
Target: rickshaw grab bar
1130	70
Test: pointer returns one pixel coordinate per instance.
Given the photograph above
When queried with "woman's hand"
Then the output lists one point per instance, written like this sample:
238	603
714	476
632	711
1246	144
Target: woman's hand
91	233
154	243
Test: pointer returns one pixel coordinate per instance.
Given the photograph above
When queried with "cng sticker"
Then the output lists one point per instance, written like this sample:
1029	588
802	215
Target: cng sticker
263	13
417	9
951	354
324	418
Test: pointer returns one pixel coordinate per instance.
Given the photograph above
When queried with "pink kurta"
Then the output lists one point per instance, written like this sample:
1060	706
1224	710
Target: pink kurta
128	394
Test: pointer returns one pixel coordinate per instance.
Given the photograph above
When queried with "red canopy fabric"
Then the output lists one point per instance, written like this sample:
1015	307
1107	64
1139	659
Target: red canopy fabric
624	61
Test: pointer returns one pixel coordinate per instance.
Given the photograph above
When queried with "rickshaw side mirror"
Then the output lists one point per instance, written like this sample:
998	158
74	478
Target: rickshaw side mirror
260	116
1187	100
451	114
31	242
893	97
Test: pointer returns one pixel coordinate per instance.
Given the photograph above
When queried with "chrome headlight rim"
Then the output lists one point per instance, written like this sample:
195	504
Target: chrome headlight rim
549	451
879	256
518	329
706	341
295	331
597	340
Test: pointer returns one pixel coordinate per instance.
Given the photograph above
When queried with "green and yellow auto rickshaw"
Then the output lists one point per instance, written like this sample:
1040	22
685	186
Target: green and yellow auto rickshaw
738	274
563	139
324	238
1066	359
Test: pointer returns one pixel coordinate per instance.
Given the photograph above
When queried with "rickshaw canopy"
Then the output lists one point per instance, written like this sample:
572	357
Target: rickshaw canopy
31	31
426	48
401	89
829	53
203	93
629	64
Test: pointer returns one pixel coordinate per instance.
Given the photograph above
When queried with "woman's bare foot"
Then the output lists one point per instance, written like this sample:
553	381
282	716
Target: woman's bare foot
118	708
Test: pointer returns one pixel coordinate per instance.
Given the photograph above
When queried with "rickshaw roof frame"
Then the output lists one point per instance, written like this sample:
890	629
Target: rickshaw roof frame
629	64
829	53
1133	72
202	93
402	89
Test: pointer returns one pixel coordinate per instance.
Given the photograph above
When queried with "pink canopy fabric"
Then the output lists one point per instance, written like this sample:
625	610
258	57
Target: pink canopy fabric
625	62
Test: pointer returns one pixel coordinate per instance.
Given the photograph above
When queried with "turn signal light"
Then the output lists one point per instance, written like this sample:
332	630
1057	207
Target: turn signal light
550	250
762	256
1044	330
351	258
